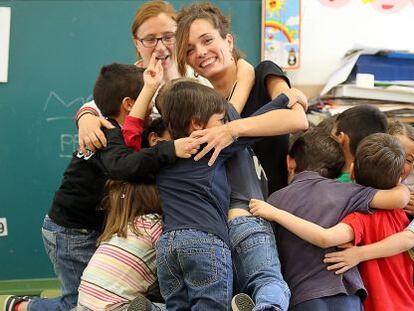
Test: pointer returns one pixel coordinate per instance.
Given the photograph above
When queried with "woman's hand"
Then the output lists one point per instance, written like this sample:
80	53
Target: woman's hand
90	135
218	137
296	97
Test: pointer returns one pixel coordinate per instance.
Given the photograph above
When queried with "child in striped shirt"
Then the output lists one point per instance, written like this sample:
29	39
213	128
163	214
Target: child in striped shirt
124	265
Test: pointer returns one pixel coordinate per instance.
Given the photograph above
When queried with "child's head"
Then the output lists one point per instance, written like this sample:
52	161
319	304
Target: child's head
379	161
356	123
155	132
186	105
117	85
314	150
405	134
125	201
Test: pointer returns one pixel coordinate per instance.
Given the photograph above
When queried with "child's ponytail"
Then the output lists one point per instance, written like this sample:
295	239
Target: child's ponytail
125	201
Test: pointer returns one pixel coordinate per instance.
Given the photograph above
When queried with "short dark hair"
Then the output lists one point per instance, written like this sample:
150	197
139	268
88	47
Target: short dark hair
315	150
185	100
379	161
156	126
359	122
114	83
396	127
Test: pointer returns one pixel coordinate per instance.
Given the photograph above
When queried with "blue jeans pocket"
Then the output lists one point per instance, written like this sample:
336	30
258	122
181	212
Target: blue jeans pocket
168	282
204	259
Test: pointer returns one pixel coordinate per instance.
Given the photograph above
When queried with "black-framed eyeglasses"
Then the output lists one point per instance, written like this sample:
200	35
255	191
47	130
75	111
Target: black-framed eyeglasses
150	42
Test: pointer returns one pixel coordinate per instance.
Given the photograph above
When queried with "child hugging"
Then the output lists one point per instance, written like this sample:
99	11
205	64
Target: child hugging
123	266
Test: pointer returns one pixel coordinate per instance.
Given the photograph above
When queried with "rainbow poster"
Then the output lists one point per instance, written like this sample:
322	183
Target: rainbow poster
281	32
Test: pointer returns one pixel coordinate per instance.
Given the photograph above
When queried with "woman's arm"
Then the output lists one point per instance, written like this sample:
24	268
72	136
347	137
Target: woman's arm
306	230
274	122
245	82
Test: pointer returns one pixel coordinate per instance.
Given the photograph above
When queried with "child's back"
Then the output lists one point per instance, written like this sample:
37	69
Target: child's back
325	202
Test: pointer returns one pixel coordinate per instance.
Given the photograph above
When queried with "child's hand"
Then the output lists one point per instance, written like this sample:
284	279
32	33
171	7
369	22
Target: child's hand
409	209
296	97
154	74
344	260
185	147
262	209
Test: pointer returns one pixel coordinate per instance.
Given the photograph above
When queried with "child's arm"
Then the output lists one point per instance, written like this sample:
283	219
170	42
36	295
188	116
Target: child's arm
306	230
134	122
122	163
397	197
245	82
344	260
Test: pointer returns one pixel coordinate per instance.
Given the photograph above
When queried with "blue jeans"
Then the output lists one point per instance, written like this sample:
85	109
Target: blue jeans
69	251
332	303
256	263
194	271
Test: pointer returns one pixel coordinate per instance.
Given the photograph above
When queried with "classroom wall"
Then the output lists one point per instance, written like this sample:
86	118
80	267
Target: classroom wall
56	50
328	31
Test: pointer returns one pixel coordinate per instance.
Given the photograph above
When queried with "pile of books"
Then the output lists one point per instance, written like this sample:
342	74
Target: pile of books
388	83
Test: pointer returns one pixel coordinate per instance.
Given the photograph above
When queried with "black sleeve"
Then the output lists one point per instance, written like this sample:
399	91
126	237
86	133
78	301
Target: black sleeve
123	163
268	68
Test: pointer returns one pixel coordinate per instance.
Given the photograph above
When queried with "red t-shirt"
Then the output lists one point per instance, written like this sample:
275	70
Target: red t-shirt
132	132
389	281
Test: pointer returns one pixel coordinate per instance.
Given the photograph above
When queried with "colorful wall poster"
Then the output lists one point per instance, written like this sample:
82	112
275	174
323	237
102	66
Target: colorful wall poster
281	32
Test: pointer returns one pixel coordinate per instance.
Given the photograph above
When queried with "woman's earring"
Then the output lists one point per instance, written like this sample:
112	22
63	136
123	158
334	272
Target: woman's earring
196	74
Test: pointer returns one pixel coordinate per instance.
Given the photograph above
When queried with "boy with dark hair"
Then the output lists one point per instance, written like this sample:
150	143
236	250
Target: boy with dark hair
390	280
324	202
352	126
75	219
305	154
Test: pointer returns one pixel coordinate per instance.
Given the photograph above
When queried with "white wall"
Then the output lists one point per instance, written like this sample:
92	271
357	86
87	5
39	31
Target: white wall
327	33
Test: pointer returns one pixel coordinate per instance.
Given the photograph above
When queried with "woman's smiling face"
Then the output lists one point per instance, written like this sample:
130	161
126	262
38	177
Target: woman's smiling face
207	52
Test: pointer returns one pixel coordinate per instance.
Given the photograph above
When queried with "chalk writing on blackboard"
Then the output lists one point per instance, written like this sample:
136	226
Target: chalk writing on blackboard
68	144
55	98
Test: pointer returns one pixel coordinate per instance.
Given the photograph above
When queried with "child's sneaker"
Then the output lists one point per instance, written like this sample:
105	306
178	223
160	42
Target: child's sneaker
141	303
11	301
242	302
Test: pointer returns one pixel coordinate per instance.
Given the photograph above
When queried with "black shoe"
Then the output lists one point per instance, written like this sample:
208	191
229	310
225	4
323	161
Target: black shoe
242	302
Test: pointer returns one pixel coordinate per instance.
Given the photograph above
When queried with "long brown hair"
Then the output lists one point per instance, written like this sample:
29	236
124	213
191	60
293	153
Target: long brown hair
125	201
148	10
186	16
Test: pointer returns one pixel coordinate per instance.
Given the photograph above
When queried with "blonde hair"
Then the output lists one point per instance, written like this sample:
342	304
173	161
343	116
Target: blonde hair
125	201
148	10
186	16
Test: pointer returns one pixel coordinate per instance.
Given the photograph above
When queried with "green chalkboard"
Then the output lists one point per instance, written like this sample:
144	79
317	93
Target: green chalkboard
56	50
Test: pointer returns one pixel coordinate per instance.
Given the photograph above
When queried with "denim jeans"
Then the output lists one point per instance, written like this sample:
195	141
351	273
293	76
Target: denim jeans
194	271
256	263
69	251
332	303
